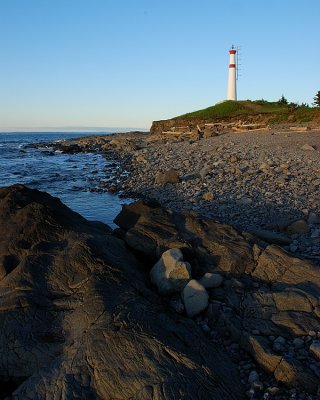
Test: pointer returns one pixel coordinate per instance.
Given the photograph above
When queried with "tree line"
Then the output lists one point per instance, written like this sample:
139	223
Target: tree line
316	101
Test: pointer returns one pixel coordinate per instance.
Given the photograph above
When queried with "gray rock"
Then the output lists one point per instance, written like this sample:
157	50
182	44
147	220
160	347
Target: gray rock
271	237
299	226
298	343
207	169
278	347
273	390
169	176
177	306
307	147
253	377
313	218
170	274
315	348
195	298
257	386
211	280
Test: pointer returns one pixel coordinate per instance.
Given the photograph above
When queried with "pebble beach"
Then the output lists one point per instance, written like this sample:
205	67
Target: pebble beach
267	183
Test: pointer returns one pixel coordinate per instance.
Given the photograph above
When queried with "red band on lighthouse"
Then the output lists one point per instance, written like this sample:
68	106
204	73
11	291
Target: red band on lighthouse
232	65
232	51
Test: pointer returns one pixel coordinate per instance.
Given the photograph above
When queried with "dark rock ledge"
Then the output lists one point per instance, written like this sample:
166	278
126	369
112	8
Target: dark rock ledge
80	319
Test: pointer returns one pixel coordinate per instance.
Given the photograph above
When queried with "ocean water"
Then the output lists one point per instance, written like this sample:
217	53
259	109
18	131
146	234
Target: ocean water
71	177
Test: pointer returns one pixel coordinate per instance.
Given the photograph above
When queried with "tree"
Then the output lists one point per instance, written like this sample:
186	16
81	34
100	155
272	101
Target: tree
282	100
316	99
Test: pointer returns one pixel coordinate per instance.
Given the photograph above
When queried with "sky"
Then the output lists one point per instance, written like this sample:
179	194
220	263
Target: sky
125	63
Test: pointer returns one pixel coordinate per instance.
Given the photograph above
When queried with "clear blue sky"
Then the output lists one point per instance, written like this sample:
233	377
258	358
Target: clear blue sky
124	63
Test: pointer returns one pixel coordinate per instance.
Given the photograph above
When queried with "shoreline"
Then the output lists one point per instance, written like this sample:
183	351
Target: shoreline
258	302
261	183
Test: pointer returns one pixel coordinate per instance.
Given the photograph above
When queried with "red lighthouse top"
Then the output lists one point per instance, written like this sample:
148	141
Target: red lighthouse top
232	51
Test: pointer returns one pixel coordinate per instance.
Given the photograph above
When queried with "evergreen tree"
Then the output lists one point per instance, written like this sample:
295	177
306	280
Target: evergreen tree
282	100
316	99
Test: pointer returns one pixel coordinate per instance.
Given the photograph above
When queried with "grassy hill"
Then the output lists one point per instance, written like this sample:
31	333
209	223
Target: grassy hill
273	112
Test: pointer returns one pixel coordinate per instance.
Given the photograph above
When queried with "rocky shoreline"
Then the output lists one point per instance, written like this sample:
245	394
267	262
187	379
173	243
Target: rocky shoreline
262	183
254	291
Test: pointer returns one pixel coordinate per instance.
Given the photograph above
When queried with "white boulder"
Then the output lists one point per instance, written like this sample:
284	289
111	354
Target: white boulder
170	274
195	298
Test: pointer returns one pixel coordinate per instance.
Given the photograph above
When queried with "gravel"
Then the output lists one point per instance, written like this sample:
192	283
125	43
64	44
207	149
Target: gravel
262	180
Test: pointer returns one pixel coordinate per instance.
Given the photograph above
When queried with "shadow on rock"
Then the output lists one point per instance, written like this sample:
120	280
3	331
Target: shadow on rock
79	320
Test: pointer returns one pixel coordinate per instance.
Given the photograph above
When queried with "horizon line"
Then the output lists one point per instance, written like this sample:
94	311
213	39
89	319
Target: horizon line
49	129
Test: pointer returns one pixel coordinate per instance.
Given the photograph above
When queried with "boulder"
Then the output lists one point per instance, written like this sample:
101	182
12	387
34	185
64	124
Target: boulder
275	265
307	147
79	322
170	274
315	348
266	291
292	373
195	298
258	347
271	237
169	176
313	218
210	280
299	226
151	230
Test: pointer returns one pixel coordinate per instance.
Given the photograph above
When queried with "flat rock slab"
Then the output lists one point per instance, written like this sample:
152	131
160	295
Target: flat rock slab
78	321
264	289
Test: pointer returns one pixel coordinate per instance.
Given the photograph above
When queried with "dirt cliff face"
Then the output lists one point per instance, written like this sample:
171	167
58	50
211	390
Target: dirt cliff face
225	124
78	319
185	125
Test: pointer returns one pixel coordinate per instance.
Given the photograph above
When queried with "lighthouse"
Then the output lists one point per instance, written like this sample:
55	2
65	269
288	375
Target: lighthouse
232	90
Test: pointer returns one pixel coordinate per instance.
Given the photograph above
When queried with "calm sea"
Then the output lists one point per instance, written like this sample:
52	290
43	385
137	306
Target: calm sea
71	177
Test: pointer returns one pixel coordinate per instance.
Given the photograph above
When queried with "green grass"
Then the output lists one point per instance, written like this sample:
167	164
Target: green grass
231	108
219	110
275	113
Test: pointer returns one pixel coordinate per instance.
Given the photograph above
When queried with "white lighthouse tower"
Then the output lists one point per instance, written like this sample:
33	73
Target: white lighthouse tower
232	90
